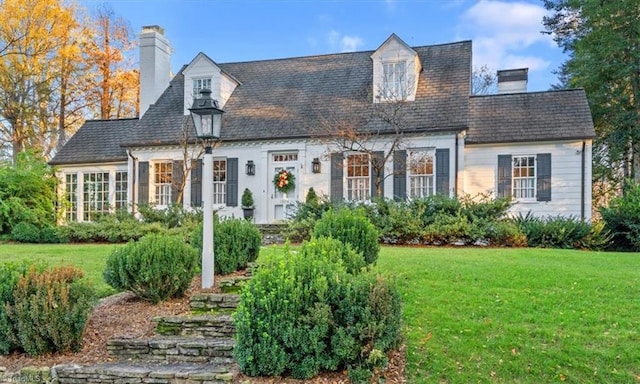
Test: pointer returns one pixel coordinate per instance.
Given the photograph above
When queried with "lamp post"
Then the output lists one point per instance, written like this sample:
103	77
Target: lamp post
207	119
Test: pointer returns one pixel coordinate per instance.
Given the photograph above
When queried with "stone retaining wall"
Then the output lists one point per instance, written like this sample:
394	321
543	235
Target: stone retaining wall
195	325
202	302
173	349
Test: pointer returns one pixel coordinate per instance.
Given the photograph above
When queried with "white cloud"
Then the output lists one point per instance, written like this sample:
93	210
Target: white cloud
344	43
505	34
350	43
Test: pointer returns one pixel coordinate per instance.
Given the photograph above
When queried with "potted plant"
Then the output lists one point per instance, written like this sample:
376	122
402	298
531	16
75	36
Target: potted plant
247	204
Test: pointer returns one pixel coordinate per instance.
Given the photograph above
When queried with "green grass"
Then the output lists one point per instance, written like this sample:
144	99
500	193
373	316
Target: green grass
90	258
486	315
518	315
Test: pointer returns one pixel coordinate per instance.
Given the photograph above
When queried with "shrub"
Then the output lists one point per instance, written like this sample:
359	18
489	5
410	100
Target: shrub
155	268
622	219
50	310
236	243
10	273
172	216
335	251
350	227
303	312
305	215
560	232
25	233
109	229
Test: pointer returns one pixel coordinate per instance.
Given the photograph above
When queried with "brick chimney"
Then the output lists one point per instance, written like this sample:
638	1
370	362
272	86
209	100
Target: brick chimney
155	65
513	80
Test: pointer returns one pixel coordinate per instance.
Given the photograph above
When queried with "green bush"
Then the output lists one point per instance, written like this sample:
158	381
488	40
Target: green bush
25	233
155	268
10	274
236	243
50	310
109	229
303	312
502	233
335	251
622	219
561	232
171	217
305	215
350	227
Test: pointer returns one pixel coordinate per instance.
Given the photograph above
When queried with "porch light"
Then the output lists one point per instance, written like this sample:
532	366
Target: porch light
207	116
315	165
250	168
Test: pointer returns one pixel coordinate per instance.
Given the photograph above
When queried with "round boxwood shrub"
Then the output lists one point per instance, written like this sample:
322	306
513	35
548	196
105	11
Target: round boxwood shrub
236	243
155	268
350	227
24	232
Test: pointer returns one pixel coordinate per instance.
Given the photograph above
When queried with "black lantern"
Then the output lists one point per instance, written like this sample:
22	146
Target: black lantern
315	165
250	168
207	116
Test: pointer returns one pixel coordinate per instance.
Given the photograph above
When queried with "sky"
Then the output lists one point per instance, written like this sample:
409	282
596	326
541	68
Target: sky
505	34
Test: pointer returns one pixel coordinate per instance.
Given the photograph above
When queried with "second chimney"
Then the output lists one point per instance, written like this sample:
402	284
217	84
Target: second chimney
155	65
513	80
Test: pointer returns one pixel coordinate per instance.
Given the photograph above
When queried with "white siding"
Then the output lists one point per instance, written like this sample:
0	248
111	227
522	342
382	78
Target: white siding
481	166
394	50
222	86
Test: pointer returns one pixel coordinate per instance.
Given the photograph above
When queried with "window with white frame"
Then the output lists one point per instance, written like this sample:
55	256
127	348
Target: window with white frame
219	181
524	177
200	84
395	80
358	177
421	173
121	190
71	196
96	194
163	177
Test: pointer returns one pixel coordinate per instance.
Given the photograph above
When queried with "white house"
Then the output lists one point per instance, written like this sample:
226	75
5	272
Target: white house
284	113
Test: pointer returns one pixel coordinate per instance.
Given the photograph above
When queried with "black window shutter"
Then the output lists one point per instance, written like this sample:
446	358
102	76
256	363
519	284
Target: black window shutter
377	164
143	182
442	171
504	176
543	172
196	183
337	165
176	182
400	175
232	182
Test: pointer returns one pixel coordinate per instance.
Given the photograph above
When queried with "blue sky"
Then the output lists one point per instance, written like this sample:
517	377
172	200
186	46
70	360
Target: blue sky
505	34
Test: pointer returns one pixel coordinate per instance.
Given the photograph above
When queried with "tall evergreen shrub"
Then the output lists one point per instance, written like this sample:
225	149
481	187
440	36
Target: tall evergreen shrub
350	227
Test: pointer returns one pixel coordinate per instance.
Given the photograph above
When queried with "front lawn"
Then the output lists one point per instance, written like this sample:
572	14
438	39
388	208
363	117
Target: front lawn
486	315
88	257
518	315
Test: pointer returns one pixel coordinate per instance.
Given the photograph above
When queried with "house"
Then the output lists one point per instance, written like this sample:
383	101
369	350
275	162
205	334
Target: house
418	131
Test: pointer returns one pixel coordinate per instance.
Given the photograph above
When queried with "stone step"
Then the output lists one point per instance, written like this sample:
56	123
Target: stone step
173	349
116	373
206	325
205	302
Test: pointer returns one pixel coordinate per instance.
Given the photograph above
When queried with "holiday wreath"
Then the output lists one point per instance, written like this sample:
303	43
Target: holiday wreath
284	181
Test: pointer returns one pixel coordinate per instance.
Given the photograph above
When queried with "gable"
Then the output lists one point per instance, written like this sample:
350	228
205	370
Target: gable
204	70
396	69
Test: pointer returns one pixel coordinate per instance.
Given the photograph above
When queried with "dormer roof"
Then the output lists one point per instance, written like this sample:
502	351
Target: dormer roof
390	40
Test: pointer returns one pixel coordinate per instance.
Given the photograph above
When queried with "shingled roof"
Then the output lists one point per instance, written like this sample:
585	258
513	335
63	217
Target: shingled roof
293	98
535	116
97	141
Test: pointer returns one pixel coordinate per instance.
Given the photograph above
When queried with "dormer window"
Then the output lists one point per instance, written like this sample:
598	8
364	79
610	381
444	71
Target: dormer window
394	85
200	84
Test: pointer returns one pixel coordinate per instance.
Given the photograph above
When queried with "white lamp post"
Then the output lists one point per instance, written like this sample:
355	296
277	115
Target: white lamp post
207	119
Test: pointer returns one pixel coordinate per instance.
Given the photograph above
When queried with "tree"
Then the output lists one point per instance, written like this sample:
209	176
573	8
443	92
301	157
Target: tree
113	90
484	81
34	35
603	41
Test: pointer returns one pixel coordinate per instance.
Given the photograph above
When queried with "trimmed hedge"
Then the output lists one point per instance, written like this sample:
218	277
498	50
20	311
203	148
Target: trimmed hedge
350	227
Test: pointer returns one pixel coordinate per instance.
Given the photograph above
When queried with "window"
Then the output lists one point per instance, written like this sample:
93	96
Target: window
163	176
524	177
421	174
71	195
121	190
358	177
219	181
285	157
395	80
200	84
96	194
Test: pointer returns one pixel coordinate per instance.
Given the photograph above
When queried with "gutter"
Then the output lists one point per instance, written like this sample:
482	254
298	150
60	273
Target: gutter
582	181
455	186
133	182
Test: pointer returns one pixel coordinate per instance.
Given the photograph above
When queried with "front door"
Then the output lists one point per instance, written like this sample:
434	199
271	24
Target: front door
281	204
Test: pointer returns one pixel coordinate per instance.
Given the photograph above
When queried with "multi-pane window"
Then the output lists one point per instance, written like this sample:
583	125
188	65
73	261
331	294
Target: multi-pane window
96	195
200	84
524	177
219	181
163	177
420	174
285	157
358	177
121	190
395	79
71	195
